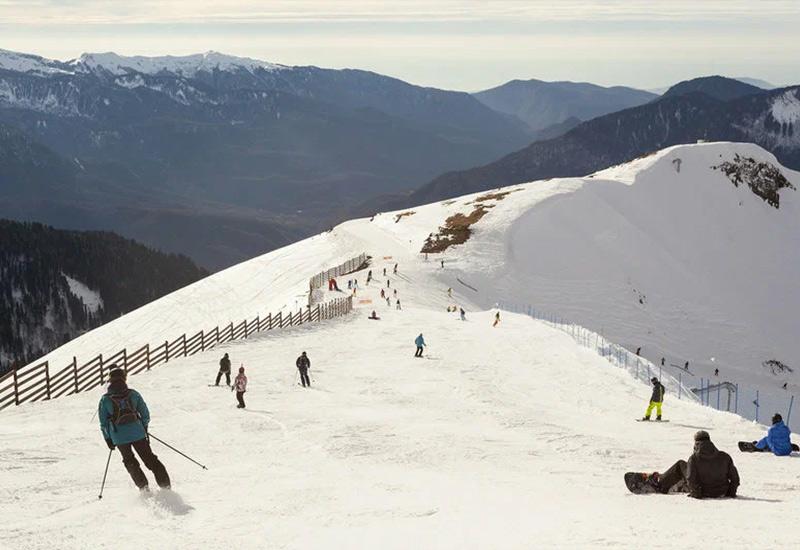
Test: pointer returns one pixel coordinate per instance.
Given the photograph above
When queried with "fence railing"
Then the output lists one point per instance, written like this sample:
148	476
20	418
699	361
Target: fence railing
318	281
40	381
749	402
639	367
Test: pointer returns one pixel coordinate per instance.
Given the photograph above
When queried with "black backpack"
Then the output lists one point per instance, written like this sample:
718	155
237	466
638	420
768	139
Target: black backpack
124	411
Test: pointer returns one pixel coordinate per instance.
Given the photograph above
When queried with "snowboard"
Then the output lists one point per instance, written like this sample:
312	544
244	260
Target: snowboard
637	483
651	421
749	447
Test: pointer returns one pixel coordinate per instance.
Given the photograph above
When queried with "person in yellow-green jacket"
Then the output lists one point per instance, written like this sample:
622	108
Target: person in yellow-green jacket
656	399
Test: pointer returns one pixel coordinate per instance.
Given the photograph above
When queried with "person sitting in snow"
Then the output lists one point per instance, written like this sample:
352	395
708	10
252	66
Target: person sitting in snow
778	439
240	385
656	399
124	418
374	316
709	472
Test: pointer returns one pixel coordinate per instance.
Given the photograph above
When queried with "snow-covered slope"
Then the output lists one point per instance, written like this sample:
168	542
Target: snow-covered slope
507	437
186	66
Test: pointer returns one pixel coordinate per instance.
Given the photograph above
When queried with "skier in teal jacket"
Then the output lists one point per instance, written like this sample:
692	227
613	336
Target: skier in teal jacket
124	418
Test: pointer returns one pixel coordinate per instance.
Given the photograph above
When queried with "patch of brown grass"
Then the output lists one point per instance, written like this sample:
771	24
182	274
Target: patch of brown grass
402	215
498	196
456	230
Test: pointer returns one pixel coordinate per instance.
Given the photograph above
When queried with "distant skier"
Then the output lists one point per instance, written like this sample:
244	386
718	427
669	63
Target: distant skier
449	292
442	263
349	284
784	385
374	316
369	276
709	473
124	419
778	439
716	372
388	301
686	366
398	305
463	315
656	399
638	351
496	319
303	364
395	269
383	293
388	283
240	385
395	293
224	368
662	361
384	272
420	342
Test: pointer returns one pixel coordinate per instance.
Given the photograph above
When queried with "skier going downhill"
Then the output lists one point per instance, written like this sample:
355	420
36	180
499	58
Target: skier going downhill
224	368
303	364
124	419
240	385
656	399
420	342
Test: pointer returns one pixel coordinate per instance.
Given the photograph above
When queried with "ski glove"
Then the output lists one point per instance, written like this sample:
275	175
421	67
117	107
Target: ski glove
110	444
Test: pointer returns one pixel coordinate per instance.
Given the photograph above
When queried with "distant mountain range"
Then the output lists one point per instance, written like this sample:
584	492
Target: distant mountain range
688	112
545	104
251	153
56	284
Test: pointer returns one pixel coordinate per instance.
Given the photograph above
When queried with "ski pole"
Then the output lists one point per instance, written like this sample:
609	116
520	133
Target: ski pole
103	486
177	451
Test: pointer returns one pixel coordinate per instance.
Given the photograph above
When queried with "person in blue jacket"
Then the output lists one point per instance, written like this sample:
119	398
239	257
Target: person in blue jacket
420	342
124	419
778	438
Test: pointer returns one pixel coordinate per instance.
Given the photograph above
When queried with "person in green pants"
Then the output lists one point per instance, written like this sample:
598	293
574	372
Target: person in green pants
656	399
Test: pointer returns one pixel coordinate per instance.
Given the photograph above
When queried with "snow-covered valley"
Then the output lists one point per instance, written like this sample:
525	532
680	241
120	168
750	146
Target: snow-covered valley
511	436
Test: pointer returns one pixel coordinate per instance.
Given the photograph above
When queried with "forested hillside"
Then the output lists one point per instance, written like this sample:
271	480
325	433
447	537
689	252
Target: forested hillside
56	284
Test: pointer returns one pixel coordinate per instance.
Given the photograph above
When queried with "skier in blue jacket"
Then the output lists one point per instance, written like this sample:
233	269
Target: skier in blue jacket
778	438
124	419
420	342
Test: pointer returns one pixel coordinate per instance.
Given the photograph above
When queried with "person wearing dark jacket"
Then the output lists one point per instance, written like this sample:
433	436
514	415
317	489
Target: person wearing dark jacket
303	364
778	439
124	418
656	399
709	472
224	368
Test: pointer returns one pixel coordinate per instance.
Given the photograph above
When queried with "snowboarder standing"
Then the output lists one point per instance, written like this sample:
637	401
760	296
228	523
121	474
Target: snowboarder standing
224	368
709	472
420	342
463	315
656	399
240	385
398	305
395	269
303	364
778	439
124	419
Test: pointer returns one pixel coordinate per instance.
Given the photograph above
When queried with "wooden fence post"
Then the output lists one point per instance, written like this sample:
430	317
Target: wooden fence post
245	329
75	371
202	341
319	317
147	355
166	351
184	344
231	330
269	321
101	369
125	359
16	388
47	376
216	335
258	323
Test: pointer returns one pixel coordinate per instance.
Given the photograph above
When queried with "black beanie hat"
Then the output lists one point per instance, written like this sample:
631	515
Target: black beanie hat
777	418
116	374
702	435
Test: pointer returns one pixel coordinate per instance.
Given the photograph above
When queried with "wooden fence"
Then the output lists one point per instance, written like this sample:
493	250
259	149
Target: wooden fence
321	279
41	381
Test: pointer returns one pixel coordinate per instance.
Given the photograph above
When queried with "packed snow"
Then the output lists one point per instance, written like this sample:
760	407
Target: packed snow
90	298
511	436
27	63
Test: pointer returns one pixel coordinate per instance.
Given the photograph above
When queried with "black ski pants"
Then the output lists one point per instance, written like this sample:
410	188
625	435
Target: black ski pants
675	475
304	377
227	377
240	398
150	460
419	352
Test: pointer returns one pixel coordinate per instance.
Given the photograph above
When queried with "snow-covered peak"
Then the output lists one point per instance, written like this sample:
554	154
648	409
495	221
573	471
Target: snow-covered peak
27	63
186	66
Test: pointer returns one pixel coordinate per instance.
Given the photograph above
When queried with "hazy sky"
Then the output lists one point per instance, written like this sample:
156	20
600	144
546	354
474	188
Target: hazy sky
458	44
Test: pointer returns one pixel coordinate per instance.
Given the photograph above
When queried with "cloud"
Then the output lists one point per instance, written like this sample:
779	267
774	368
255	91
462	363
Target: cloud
100	12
